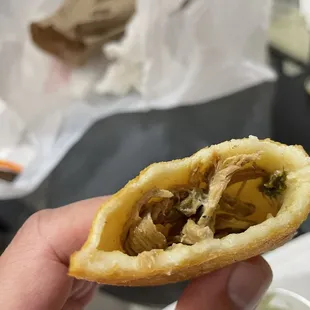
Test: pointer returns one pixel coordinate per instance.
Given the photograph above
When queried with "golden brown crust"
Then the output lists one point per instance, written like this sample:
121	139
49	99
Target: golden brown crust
101	259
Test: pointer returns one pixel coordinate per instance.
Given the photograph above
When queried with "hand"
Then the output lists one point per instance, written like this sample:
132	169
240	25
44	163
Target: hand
236	287
33	269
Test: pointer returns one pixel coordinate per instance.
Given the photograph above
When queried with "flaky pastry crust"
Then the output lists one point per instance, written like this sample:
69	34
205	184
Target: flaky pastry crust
103	260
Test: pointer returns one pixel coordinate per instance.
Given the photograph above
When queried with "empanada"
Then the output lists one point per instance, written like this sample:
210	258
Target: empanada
181	219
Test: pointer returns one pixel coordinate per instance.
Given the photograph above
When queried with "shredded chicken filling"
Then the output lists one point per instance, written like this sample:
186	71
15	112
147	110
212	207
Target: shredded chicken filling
201	209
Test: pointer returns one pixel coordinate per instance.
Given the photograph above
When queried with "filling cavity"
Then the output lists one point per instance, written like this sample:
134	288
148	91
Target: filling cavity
205	208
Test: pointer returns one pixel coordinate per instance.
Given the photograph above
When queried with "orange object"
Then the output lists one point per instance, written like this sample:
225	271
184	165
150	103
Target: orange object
10	166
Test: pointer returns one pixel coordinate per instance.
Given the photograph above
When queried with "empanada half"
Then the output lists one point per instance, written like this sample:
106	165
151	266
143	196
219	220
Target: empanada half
181	219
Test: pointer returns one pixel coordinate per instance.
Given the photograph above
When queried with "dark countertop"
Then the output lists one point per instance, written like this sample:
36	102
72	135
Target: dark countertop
291	116
291	112
115	149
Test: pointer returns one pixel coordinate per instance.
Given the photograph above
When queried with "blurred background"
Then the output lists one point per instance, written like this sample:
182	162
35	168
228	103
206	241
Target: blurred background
114	149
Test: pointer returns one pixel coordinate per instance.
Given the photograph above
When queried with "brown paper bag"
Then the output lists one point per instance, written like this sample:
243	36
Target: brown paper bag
80	27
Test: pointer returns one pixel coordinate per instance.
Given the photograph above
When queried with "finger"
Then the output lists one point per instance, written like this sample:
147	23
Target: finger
239	286
66	229
81	297
60	231
34	266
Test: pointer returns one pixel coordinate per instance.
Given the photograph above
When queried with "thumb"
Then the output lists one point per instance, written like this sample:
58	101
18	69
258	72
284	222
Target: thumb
239	286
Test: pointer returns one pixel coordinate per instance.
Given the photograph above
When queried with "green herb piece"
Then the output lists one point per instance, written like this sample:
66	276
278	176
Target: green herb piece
275	185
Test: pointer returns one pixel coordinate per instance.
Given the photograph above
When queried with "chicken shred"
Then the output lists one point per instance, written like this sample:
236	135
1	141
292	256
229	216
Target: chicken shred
232	205
193	233
144	237
190	205
223	173
225	221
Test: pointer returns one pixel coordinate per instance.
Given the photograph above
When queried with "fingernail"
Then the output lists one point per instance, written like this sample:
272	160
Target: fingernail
78	286
85	290
248	282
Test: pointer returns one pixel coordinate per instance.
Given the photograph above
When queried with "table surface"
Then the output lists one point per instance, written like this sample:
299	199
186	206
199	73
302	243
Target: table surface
123	145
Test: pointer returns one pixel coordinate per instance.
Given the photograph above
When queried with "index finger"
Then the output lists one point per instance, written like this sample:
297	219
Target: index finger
58	231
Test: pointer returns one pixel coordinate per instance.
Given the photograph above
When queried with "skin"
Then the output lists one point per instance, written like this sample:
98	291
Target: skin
33	269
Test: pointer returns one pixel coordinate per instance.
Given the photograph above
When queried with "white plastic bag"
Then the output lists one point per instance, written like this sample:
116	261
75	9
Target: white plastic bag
185	52
305	11
206	50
